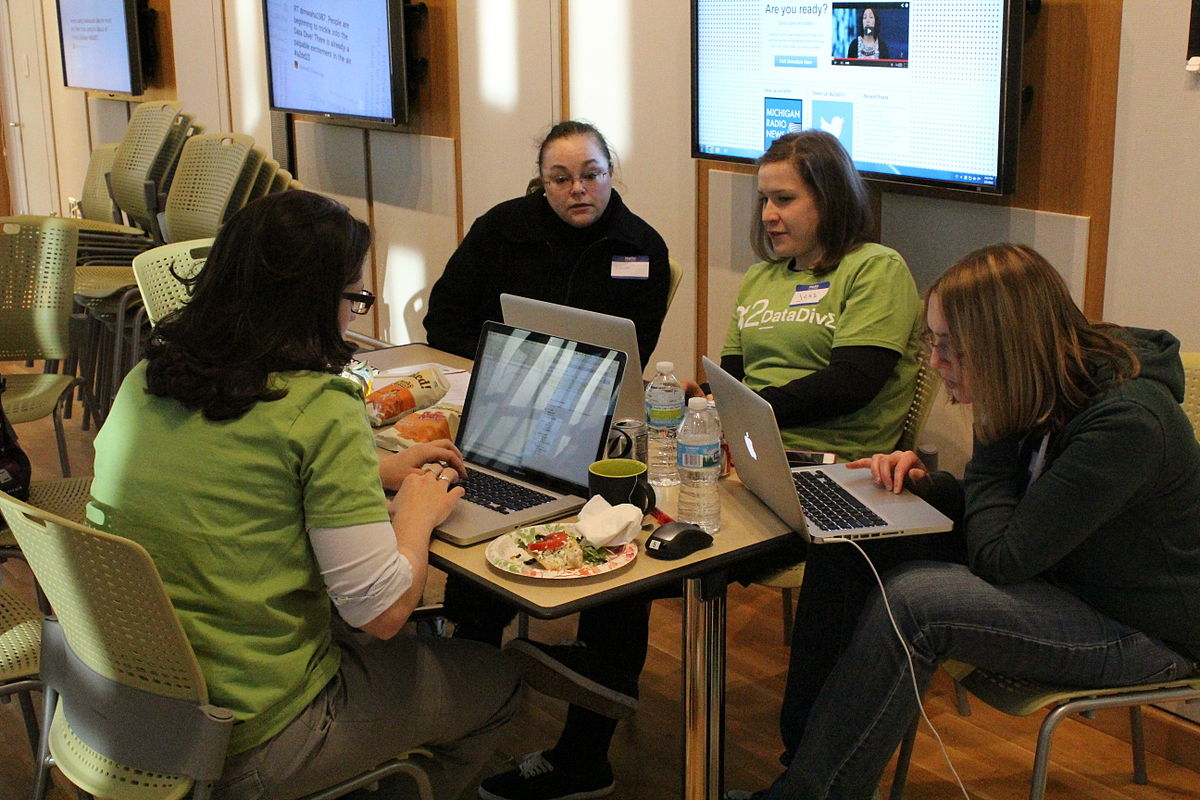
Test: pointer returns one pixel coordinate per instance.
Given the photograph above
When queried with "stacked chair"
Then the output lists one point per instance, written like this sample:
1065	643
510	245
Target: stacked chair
126	712
37	263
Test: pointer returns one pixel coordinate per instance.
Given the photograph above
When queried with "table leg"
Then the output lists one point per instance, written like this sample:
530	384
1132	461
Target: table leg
703	687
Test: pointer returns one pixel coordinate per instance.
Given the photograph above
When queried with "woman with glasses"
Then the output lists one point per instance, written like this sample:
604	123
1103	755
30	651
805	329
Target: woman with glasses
1079	513
570	240
237	456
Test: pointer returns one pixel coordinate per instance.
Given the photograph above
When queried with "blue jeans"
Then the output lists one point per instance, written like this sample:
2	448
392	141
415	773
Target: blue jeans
1032	630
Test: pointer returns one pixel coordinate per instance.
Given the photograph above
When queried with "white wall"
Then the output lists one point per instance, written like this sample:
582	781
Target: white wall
630	74
1154	239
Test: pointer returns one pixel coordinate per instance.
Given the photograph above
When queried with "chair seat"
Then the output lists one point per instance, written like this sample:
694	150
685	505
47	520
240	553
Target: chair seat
64	497
34	396
1020	697
101	282
789	577
20	637
103	777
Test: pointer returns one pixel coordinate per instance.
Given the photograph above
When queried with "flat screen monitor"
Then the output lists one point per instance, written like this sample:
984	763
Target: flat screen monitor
342	61
925	92
100	45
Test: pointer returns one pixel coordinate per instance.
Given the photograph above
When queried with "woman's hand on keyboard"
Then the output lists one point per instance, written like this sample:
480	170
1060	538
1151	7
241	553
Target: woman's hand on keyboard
395	467
896	471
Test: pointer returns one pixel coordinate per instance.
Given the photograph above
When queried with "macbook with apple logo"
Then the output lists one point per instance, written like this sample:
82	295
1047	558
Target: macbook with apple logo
823	502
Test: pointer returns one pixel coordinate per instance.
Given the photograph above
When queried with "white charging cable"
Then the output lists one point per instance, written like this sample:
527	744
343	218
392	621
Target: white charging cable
912	672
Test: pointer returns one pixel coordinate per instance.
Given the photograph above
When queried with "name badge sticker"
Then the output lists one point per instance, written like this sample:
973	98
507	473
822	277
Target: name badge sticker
631	267
811	294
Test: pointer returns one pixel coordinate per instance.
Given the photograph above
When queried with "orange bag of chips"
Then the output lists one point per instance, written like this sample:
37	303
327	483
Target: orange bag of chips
410	393
438	422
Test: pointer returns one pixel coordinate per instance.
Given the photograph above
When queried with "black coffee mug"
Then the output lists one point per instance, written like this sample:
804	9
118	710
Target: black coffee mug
622	480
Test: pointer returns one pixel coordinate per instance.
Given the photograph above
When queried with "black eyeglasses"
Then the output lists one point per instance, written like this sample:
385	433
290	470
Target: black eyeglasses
360	302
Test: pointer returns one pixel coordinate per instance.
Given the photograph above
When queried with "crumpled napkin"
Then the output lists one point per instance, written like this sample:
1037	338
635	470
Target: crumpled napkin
606	525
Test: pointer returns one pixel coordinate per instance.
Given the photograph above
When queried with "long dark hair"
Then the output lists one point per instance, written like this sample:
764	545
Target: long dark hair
841	196
267	300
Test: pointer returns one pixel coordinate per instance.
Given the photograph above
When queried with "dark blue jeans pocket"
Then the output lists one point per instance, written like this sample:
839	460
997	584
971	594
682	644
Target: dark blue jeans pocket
246	786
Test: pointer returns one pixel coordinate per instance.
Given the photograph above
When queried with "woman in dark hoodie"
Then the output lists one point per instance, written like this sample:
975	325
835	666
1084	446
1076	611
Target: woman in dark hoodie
1080	517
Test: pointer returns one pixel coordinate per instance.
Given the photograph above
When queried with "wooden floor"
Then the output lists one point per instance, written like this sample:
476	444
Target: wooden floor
991	751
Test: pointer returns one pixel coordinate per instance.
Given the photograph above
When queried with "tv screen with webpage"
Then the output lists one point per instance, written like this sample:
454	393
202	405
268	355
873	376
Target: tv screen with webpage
923	92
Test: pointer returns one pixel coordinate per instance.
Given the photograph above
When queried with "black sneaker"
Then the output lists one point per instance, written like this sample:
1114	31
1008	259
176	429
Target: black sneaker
574	673
537	779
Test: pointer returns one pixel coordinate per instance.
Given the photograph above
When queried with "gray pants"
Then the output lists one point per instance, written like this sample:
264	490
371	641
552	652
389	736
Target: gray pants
450	696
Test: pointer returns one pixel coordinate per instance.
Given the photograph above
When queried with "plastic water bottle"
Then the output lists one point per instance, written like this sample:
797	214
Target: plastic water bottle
664	411
699	447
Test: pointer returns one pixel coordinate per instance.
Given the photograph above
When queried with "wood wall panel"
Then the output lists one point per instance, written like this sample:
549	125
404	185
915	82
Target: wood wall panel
1071	60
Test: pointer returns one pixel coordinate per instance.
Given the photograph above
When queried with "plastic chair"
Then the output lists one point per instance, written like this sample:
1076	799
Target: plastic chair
264	180
37	258
158	273
676	277
208	182
134	721
20	649
95	203
1021	698
788	579
146	161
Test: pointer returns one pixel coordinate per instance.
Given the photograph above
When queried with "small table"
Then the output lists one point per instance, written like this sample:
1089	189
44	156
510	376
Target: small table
748	528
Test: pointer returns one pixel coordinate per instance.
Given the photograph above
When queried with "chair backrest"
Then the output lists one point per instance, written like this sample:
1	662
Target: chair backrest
110	601
1191	389
928	383
283	180
132	694
676	277
37	269
144	160
95	202
264	180
158	272
207	179
244	189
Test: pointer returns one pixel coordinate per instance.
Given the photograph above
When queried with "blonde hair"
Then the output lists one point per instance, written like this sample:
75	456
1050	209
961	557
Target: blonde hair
1033	359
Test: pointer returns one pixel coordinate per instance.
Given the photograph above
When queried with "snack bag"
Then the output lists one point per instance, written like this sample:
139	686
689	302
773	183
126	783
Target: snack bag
436	422
410	393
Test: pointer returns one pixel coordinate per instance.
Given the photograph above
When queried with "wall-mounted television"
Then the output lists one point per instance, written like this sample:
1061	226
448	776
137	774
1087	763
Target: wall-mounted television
342	61
102	45
925	92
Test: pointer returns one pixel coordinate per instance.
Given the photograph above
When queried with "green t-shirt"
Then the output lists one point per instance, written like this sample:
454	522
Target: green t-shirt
787	323
223	509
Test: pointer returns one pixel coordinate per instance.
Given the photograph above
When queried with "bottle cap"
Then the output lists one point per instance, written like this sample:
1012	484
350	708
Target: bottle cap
664	367
697	404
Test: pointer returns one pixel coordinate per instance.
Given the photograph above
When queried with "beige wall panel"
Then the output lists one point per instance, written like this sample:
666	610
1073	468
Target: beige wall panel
201	79
931	234
247	55
416	226
630	74
508	66
1155	238
331	159
731	201
69	110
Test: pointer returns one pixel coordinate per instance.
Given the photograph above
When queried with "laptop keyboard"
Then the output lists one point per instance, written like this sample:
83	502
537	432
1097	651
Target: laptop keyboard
500	495
829	506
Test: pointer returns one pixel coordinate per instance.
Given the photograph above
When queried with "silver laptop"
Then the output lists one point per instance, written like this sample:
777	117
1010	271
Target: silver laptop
536	415
605	330
758	454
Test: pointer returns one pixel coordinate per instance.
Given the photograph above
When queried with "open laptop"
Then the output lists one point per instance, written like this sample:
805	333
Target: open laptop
605	330
758	454
536	415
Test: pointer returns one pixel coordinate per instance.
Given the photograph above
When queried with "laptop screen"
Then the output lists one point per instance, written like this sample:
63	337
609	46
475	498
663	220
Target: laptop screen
538	406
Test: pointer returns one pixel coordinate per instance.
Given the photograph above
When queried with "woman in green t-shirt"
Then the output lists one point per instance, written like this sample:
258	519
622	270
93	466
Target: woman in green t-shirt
237	456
